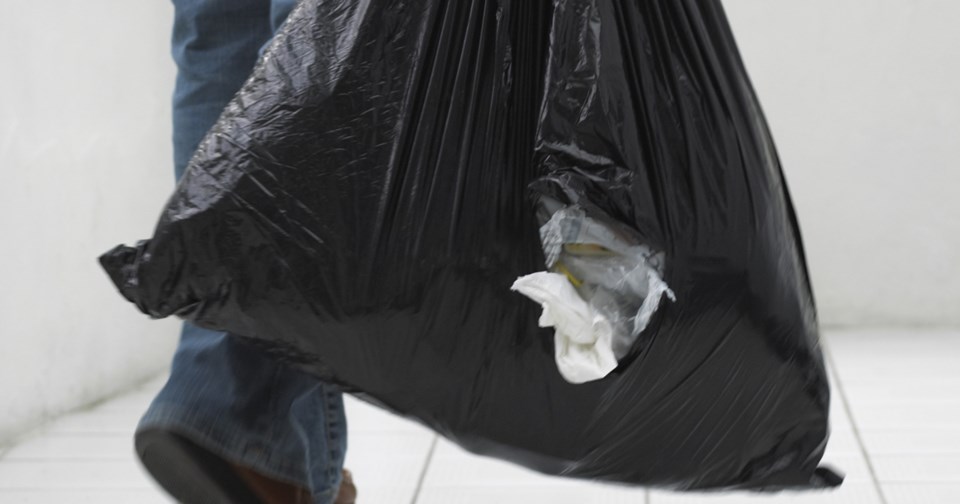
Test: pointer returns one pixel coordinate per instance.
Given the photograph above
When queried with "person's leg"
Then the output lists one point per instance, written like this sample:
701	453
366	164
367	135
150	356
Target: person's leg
227	398
223	396
214	44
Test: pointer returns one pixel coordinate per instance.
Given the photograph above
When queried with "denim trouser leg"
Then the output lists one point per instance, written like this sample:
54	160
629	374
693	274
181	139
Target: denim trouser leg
222	393
215	44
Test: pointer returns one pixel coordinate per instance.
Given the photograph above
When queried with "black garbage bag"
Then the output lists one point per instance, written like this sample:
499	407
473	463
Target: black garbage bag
366	201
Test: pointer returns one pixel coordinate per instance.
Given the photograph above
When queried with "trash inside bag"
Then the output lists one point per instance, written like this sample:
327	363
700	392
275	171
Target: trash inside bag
366	202
602	297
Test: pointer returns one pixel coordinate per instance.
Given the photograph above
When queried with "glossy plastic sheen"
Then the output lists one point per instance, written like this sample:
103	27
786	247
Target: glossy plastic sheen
368	198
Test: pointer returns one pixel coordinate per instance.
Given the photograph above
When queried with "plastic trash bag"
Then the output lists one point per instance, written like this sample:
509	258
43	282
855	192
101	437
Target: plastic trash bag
366	201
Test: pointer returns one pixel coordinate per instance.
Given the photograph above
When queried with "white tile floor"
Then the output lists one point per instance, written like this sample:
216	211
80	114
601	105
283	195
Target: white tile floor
896	433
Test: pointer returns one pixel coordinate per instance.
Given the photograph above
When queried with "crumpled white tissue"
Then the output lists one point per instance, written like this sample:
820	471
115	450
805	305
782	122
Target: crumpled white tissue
583	337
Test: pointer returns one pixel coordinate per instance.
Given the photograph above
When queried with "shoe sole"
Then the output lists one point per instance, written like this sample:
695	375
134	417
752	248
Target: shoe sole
189	473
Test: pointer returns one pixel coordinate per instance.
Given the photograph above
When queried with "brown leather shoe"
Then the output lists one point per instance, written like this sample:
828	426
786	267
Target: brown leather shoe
190	473
272	491
348	491
194	475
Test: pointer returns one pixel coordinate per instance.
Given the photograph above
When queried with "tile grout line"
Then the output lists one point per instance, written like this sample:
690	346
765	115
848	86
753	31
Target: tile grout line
853	424
646	496
426	466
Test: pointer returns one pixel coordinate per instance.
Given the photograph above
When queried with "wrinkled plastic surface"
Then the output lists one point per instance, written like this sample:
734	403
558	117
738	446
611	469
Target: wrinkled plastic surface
615	274
365	202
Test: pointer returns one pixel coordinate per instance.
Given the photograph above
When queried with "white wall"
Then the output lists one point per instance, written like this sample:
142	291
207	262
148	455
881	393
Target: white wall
85	163
864	100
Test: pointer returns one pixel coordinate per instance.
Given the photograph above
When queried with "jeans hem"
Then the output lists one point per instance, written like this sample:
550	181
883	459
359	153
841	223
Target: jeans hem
244	449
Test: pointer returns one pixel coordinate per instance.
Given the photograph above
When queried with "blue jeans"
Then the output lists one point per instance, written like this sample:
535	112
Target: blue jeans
223	394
